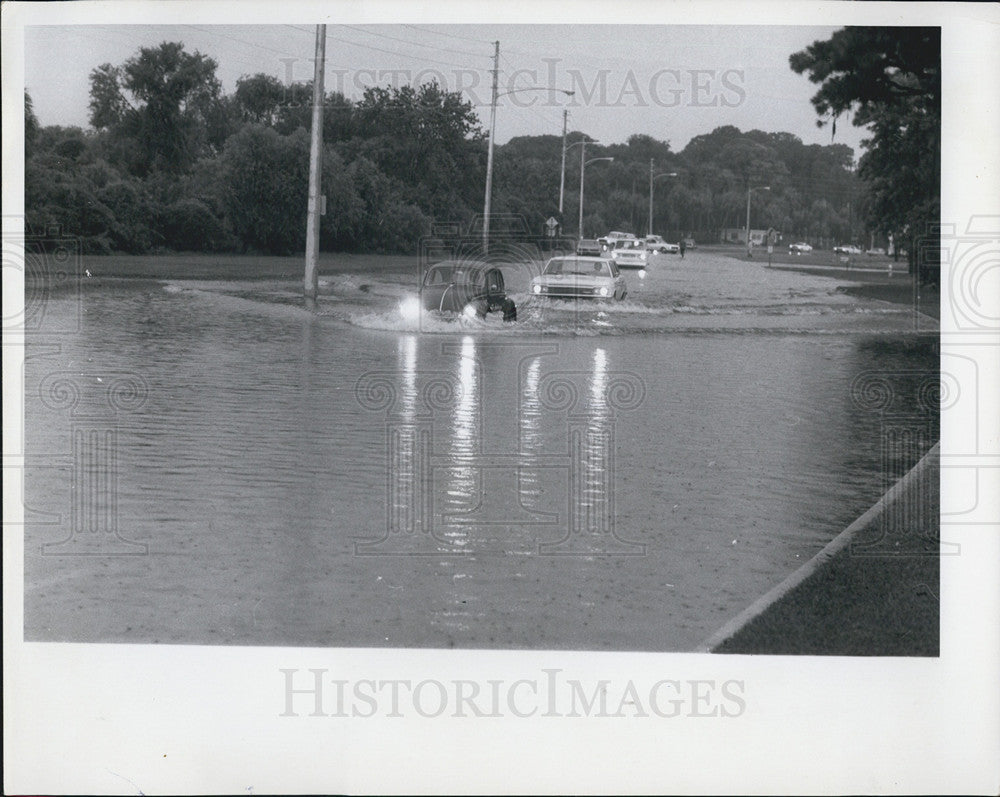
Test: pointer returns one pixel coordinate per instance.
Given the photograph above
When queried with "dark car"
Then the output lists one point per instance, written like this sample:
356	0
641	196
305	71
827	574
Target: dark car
588	247
472	289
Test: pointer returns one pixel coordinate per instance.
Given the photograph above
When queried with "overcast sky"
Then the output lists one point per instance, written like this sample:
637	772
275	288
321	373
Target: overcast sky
671	82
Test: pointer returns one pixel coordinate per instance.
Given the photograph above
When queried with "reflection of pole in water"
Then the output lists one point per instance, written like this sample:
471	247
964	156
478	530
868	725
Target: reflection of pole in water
404	491
593	457
466	442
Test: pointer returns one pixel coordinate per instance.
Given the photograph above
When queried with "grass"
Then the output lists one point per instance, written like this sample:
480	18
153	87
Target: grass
239	267
871	275
878	596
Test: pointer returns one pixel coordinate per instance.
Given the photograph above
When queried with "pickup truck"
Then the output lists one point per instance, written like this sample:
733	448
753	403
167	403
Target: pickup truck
608	241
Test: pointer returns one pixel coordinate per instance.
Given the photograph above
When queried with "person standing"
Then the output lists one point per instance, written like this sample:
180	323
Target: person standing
683	247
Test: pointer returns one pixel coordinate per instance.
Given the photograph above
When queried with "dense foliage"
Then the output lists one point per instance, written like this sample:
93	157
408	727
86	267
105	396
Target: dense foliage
891	79
173	163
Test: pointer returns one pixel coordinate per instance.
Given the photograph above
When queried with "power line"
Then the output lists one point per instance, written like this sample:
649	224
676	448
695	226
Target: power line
397	53
418	44
449	35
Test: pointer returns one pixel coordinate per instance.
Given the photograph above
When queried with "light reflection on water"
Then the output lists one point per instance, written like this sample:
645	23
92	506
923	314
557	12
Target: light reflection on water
252	470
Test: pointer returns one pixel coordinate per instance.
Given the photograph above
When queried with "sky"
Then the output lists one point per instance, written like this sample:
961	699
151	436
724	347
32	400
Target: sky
671	82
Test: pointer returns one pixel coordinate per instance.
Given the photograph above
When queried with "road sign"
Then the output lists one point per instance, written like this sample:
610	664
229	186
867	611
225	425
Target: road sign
551	223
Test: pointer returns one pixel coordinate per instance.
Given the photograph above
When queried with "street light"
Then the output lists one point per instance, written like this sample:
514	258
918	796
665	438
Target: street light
749	191
489	154
562	175
649	227
583	166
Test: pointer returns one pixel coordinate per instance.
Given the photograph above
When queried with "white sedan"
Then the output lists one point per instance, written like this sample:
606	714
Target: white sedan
654	243
580	278
800	247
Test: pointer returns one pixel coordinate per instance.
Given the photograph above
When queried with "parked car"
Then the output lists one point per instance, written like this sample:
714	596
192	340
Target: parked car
588	247
847	249
800	247
629	253
654	243
580	278
690	243
455	287
878	250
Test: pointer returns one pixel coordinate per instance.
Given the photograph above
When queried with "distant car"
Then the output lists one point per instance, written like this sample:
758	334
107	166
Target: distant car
847	249
580	278
690	243
799	247
629	253
589	247
471	289
654	243
608	241
878	250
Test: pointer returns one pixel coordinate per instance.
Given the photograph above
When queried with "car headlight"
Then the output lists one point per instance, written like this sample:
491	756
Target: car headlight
642	273
602	291
469	311
536	288
409	308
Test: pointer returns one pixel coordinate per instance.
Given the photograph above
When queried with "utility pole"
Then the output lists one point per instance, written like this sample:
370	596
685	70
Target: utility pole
489	154
562	172
315	168
649	227
751	189
583	150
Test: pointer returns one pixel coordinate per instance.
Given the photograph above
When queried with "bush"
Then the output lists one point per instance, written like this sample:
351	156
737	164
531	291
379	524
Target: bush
189	225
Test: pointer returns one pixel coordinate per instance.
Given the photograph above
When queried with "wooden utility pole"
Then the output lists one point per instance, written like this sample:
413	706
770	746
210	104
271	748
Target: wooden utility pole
489	154
315	168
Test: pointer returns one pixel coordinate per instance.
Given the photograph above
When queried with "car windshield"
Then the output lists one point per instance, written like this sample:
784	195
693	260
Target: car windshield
626	244
569	265
446	274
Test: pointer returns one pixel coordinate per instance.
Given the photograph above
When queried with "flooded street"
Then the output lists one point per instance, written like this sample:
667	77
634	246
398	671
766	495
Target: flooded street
210	462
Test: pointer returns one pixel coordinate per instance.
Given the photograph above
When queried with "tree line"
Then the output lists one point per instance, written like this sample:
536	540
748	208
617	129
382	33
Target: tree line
170	162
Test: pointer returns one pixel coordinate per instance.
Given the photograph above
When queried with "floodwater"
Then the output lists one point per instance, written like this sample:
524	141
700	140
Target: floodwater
211	462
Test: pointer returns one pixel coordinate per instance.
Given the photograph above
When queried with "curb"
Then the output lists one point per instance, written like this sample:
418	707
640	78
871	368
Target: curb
821	559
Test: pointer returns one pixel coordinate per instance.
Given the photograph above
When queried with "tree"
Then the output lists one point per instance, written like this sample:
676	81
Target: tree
891	79
164	99
30	125
259	98
427	139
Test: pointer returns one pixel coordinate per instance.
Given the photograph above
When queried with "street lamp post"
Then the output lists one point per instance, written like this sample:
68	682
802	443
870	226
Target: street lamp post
749	191
562	169
488	201
566	148
649	227
583	166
